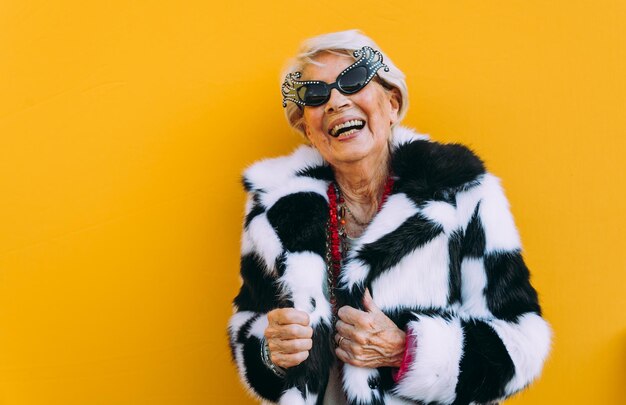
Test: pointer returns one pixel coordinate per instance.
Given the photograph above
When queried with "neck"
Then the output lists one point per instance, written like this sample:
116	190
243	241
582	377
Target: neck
362	183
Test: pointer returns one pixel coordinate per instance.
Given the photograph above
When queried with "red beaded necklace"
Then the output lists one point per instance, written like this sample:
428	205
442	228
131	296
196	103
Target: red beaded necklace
333	254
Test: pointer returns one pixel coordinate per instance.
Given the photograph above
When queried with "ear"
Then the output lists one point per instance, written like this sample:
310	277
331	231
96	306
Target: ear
394	100
307	133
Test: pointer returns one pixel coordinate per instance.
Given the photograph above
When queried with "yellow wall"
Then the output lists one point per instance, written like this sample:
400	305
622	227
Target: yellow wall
124	127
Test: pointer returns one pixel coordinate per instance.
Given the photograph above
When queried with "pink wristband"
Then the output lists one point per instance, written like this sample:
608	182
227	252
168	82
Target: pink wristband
407	359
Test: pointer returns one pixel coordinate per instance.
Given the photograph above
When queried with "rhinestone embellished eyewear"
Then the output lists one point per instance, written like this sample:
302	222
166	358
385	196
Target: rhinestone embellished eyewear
351	80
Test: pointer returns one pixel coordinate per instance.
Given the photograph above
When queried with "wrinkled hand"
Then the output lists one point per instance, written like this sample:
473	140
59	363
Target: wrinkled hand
288	336
368	338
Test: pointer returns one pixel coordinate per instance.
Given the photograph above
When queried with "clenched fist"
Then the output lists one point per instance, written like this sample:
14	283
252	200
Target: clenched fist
288	336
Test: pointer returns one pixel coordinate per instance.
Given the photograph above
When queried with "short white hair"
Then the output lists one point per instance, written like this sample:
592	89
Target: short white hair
342	42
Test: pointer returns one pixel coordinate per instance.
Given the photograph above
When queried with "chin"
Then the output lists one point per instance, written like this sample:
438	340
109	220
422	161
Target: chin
360	145
351	156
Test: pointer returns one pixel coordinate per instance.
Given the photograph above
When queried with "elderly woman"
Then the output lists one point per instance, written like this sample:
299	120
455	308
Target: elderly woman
378	266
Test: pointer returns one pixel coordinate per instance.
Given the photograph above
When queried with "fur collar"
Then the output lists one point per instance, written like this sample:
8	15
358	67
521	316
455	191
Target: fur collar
428	168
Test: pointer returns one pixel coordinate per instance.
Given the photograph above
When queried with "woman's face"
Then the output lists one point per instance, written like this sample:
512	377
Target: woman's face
373	106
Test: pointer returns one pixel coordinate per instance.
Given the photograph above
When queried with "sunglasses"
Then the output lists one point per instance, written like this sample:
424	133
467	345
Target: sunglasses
351	80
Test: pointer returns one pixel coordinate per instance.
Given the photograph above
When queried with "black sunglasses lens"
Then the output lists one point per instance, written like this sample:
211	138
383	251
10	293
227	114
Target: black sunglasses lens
353	80
313	93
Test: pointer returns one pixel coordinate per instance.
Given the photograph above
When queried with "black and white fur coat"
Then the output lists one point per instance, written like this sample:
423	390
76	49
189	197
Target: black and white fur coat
442	259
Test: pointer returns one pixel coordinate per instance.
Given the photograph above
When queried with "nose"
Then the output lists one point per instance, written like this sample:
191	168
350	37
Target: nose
337	101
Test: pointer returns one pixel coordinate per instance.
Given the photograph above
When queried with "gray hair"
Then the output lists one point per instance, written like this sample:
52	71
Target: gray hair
342	43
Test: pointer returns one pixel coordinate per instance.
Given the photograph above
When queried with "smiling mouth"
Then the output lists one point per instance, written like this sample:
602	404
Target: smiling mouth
348	127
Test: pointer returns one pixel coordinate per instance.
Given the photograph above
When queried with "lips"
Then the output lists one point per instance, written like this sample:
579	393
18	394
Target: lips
346	125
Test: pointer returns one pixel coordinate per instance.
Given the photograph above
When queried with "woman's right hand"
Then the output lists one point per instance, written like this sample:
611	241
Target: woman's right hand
288	336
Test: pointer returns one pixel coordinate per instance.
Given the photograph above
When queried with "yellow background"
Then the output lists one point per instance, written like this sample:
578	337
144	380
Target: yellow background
124	127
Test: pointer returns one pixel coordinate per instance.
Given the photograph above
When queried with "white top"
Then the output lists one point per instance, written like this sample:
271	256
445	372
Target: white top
334	393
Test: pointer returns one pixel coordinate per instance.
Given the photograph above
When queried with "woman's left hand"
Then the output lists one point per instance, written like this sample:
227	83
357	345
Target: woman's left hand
368	338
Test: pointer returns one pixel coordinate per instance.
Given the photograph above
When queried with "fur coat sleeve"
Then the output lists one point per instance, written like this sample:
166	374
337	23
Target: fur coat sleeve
442	259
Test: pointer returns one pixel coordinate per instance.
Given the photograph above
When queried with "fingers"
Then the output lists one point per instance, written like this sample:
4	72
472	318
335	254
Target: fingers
352	348
355	317
291	346
348	347
286	316
288	336
351	332
359	355
286	360
343	346
288	323
368	302
344	356
292	331
349	353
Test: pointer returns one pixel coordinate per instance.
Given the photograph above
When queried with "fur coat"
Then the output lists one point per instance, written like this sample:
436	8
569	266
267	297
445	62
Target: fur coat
442	259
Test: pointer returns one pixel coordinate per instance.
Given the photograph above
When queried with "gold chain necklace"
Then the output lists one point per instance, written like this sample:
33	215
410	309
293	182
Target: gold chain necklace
354	218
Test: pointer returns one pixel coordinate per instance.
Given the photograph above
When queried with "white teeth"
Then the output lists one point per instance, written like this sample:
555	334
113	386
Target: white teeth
349	132
350	123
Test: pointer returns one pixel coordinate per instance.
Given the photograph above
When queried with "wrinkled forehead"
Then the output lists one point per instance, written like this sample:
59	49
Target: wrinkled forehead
326	65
